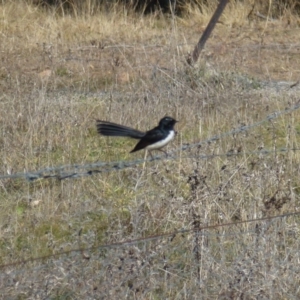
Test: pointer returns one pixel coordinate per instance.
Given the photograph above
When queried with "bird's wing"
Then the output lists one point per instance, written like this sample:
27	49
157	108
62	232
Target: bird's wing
151	137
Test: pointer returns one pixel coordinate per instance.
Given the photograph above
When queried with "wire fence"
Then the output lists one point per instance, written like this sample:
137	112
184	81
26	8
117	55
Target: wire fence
187	263
77	170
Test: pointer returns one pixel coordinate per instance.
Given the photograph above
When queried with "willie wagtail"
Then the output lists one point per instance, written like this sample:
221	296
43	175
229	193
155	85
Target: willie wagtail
153	139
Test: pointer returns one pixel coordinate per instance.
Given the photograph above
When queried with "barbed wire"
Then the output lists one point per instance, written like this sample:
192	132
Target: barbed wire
123	165
76	170
200	230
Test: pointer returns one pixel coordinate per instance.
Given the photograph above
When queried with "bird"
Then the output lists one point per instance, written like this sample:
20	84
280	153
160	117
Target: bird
154	139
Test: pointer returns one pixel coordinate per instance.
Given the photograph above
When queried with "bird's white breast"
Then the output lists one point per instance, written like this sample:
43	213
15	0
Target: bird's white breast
163	142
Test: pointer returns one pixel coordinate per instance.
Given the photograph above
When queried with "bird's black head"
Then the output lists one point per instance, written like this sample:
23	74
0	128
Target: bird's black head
167	122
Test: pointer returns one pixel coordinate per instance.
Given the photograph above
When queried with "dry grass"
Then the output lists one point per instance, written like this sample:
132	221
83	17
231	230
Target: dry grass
59	73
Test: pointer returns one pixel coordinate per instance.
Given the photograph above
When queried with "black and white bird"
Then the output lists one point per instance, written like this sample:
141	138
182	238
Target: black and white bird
154	139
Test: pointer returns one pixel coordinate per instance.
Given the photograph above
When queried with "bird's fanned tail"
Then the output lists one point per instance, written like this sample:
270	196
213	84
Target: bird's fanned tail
113	129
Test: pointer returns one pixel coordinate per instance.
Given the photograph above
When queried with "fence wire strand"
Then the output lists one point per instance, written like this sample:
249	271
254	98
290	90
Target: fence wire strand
155	237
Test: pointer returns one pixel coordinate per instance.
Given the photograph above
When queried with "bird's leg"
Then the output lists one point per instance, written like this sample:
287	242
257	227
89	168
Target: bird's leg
151	154
163	152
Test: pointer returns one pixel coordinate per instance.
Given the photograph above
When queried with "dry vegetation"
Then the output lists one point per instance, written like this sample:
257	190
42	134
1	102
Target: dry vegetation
60	72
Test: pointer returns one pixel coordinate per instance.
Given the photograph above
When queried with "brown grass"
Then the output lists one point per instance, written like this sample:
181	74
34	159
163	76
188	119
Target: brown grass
59	73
